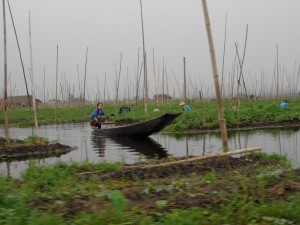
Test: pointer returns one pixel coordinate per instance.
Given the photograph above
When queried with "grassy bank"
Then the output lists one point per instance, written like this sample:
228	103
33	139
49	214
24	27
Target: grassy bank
255	189
251	113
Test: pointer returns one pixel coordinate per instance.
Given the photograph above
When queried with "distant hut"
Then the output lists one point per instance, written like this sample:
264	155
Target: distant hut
163	97
21	101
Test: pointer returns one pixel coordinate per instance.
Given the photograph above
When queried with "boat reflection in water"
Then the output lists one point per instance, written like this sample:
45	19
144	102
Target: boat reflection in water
145	146
99	143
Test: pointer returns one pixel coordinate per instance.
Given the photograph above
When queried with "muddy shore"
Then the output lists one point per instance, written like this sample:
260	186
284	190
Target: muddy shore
206	183
20	150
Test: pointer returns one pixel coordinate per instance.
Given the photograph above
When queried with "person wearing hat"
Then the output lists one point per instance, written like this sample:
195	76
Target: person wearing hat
185	107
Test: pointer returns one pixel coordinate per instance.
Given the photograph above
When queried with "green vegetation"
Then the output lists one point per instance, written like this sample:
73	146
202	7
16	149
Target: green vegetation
252	113
224	191
35	139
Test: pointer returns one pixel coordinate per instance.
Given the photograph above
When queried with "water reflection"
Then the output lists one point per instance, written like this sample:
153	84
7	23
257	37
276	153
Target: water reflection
278	141
146	147
94	148
99	144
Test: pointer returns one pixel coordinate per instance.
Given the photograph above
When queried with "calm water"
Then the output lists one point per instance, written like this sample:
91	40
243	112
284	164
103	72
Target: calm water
94	148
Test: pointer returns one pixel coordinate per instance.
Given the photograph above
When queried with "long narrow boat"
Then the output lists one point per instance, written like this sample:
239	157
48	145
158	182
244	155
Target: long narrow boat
141	129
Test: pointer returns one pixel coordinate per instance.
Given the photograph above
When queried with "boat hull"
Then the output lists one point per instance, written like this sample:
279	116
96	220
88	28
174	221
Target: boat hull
141	129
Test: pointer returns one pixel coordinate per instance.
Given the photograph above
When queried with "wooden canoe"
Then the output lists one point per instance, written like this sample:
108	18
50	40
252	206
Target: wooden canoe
141	129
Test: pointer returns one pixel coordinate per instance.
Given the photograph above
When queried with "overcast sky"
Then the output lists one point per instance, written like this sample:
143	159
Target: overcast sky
173	29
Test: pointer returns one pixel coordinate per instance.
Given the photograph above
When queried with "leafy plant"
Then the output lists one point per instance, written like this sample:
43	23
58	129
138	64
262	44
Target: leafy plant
36	139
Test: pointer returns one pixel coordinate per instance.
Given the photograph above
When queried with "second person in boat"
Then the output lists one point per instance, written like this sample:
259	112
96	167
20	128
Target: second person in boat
98	116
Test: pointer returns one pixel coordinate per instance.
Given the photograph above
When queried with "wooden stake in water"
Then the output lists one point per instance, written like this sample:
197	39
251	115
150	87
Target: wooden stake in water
32	82
216	78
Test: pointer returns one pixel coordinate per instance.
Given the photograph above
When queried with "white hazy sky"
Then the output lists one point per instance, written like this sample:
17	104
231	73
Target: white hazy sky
173	28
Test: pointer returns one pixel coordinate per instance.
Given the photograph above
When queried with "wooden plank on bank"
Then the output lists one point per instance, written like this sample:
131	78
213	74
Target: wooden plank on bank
235	152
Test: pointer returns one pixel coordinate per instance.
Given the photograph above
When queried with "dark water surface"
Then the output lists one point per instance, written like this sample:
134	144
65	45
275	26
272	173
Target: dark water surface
94	148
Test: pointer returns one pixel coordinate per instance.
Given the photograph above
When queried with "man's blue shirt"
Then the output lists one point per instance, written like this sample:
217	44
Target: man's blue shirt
97	112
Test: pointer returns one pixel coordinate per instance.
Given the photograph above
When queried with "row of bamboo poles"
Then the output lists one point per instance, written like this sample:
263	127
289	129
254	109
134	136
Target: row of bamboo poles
145	96
66	89
282	85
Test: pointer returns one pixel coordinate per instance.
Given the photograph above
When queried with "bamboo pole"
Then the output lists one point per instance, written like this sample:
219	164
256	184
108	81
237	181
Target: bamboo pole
32	82
127	85
145	64
272	90
242	63
137	78
118	80
277	71
5	102
12	19
245	45
146	97
216	78
177	84
167	86
184	79
104	99
138	82
297	80
44	93
224	50
233	75
84	82
202	109
163	82
79	89
156	90
56	84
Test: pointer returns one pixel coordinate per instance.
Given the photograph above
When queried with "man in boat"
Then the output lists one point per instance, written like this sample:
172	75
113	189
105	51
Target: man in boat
98	116
185	107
